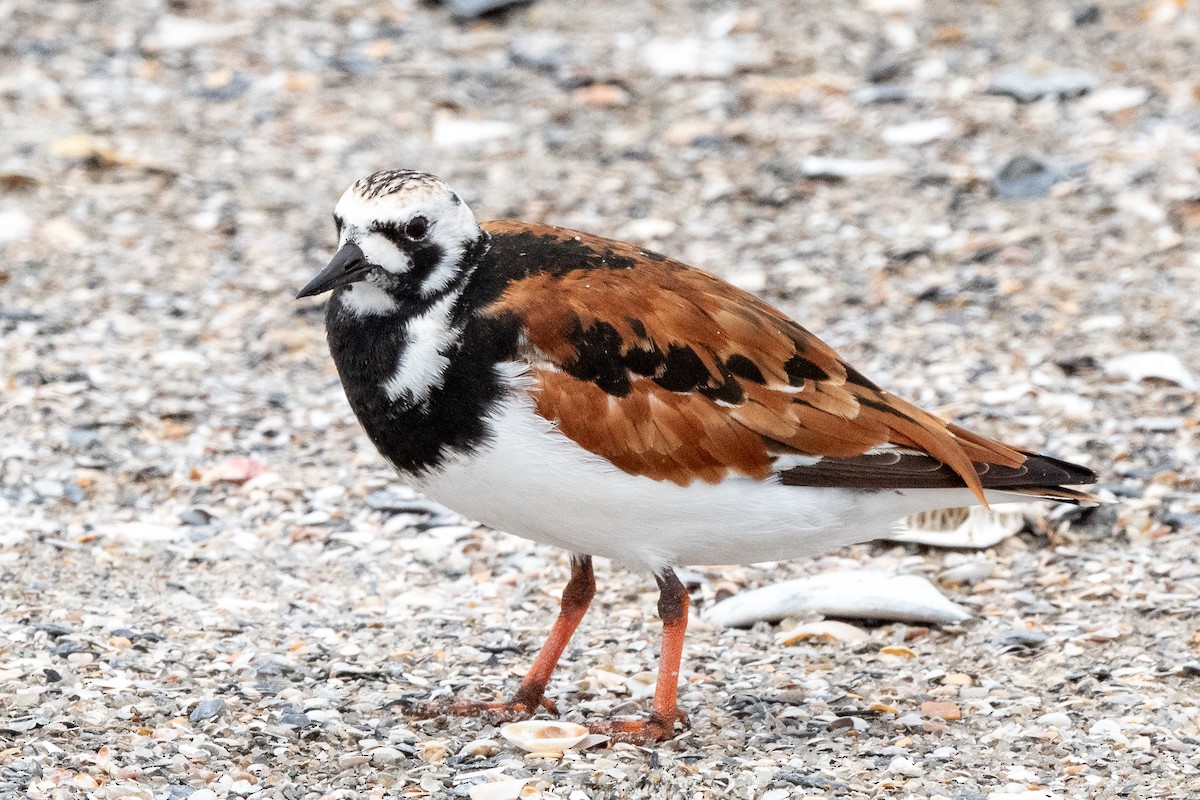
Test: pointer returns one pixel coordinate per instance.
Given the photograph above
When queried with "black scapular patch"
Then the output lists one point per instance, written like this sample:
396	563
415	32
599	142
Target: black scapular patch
743	367
858	379
729	391
800	369
530	252
684	371
598	358
645	360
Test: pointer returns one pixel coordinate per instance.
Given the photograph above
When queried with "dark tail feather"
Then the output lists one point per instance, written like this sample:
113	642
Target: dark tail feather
1045	477
1038	470
1038	475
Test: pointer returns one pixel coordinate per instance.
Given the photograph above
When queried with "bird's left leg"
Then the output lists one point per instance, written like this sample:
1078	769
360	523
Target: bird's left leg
673	602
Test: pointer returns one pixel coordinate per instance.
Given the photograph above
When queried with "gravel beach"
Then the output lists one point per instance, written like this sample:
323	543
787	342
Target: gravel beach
212	587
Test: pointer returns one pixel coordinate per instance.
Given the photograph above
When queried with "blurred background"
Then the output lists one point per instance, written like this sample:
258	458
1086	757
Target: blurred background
209	579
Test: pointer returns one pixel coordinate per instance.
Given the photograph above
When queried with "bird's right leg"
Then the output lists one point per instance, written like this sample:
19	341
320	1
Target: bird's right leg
576	597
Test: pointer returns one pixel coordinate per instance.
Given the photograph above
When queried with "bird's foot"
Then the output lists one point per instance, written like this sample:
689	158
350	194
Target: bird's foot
655	728
494	712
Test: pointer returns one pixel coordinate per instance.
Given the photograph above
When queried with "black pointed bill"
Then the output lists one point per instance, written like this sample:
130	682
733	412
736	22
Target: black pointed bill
347	266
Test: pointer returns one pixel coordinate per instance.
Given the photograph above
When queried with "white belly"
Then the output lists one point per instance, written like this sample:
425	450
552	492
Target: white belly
534	482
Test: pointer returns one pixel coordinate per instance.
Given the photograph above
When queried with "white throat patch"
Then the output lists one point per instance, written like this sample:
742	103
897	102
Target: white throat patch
364	299
423	361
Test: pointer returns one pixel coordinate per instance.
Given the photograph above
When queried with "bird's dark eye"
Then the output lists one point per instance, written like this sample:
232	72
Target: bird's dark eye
416	228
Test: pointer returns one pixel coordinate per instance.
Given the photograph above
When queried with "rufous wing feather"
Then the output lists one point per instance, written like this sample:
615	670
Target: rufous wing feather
671	373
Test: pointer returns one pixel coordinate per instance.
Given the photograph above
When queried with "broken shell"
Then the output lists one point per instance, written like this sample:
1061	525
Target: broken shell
642	685
508	789
539	736
484	748
973	527
1163	366
828	629
858	594
897	650
970	572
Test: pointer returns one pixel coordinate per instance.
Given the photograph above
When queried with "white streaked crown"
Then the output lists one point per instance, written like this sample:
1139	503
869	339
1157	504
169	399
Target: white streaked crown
394	197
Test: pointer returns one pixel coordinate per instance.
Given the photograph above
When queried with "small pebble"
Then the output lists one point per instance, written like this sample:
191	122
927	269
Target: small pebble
295	720
941	710
1060	84
195	516
1055	719
1023	638
838	168
385	756
472	9
970	572
48	489
918	133
206	709
1024	178
902	765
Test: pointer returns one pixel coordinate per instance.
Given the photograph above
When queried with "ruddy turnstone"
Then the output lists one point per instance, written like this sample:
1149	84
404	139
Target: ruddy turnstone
614	402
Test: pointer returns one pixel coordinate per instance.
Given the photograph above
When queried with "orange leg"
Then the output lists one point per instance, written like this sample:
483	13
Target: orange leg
576	598
673	604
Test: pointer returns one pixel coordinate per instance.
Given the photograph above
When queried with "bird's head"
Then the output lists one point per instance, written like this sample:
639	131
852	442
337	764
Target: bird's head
402	235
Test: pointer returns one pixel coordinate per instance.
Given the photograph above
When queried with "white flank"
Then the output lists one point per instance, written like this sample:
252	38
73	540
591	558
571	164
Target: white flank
787	462
365	299
423	361
532	481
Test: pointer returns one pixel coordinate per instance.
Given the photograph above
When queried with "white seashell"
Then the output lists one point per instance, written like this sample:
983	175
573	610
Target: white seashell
1019	793
828	167
696	57
15	225
860	594
972	527
540	736
893	6
970	572
647	228
457	132
824	629
182	33
480	747
509	789
1153	364
139	532
599	678
1115	99
920	132
641	685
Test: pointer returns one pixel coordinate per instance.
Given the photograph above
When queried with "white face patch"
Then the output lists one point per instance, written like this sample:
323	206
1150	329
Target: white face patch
378	250
423	360
451	225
